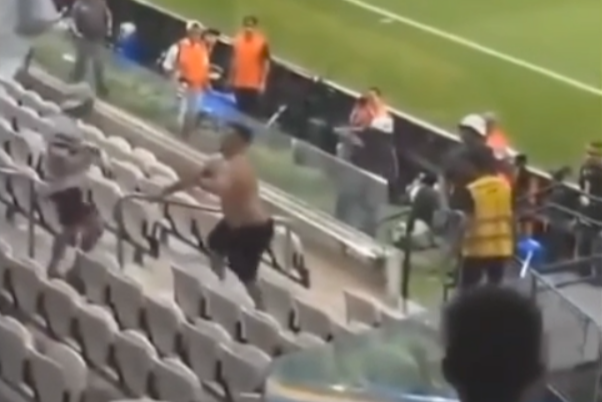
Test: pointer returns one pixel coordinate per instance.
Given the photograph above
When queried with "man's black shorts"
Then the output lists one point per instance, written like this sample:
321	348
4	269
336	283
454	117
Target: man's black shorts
242	246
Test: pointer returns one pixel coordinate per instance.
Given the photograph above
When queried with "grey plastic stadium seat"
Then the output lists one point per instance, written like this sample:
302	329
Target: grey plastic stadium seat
48	380
94	271
360	308
26	119
127	299
92	134
307	341
48	108
190	289
201	347
164	321
27	278
390	317
8	106
135	358
14	89
31	100
97	331
287	248
59	375
27	148
6	258
224	308
161	170
16	343
60	303
126	174
105	194
74	369
313	319
142	158
244	368
262	330
6	130
278	301
175	382
21	187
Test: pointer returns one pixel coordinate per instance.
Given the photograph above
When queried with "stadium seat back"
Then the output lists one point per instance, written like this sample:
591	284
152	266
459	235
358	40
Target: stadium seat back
27	278
16	344
175	382
262	330
48	380
97	331
201	347
135	357
164	320
60	303
244	368
313	319
127	299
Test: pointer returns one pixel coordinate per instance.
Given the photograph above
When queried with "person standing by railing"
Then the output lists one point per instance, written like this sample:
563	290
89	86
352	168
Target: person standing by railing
188	62
249	66
486	244
91	24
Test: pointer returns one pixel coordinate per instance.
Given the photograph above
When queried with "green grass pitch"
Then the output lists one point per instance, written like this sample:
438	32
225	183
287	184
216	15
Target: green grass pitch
549	110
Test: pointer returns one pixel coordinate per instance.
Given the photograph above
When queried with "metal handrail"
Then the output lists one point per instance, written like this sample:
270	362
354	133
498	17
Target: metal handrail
31	238
118	213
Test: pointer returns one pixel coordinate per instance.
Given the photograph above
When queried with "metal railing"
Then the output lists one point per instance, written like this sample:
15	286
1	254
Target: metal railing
31	208
279	220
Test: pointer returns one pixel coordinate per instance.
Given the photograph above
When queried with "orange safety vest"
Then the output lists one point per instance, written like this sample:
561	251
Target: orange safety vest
193	63
248	60
498	142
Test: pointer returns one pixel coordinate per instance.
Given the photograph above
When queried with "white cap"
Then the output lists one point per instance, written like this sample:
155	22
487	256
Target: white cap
192	24
475	122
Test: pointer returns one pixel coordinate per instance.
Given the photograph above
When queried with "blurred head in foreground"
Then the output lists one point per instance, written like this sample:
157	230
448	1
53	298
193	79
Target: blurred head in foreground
236	140
493	340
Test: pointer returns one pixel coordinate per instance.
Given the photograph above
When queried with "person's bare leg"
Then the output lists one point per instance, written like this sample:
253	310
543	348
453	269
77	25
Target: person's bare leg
92	233
59	247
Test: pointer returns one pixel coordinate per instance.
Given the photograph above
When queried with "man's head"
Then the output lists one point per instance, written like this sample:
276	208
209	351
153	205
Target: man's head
210	36
493	340
236	140
473	128
249	24
194	30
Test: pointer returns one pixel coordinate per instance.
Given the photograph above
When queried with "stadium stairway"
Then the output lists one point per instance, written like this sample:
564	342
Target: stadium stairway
164	316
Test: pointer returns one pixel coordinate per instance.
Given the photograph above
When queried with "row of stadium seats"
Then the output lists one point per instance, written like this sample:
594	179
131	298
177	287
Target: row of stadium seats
203	329
22	132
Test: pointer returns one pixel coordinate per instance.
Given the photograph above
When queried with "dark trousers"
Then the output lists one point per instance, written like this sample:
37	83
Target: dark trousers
248	101
473	269
89	53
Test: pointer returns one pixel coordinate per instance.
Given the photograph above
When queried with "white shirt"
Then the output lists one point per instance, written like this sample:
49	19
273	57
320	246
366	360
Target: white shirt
383	123
171	57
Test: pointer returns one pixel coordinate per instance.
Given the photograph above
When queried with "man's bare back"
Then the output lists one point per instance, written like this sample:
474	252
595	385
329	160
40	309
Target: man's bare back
240	200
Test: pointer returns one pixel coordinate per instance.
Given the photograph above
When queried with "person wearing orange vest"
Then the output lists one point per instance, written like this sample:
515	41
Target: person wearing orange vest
188	62
249	66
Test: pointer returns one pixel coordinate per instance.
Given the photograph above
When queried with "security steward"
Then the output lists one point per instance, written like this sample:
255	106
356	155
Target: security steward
486	244
249	66
188	62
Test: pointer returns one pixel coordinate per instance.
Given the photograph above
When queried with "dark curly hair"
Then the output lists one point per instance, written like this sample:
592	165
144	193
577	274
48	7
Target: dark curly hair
493	344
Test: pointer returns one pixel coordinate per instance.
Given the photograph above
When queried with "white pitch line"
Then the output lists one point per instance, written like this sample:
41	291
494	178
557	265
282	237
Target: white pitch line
475	46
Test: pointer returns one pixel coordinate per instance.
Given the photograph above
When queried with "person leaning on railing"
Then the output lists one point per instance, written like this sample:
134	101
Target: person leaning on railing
486	242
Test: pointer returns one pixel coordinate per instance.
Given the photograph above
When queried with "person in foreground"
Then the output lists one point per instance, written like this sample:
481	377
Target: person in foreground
493	345
67	163
246	229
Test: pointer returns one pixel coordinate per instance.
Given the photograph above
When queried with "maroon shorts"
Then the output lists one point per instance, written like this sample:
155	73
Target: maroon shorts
71	207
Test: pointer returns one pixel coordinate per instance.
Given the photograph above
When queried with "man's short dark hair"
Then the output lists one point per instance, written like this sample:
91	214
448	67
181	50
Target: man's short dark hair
244	132
376	90
250	21
494	341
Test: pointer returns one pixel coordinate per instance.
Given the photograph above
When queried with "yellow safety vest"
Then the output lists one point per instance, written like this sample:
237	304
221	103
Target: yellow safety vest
490	232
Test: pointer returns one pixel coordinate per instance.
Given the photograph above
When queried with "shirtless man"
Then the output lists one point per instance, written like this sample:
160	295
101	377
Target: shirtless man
246	229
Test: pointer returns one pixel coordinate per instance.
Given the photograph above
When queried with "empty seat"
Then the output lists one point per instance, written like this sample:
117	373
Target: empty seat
361	309
175	382
97	330
313	319
6	258
32	100
141	223
224	308
190	289
27	278
26	119
127	299
60	303
8	107
94	273
287	249
262	330
92	134
117	147
201	342
162	170
278	301
60	375
27	148
105	194
142	157
47	108
7	132
244	369
164	320
23	191
16	344
135	358
126	174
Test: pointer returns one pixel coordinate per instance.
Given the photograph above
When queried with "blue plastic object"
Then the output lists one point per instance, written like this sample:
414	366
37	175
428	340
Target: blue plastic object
528	247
